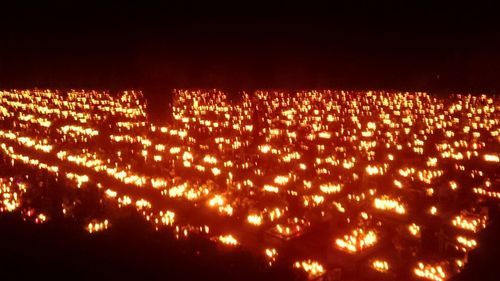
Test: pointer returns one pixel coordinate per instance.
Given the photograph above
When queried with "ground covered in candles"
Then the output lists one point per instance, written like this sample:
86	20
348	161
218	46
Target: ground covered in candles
318	185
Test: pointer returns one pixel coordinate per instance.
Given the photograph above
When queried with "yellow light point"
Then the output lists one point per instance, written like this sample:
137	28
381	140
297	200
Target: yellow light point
380	265
389	204
371	125
276	213
271	255
466	243
367	134
432	162
167	218
307	184
471	223
491	158
453	185
228	240
254	219
216	171
41	218
487	193
177	191
281	180
187	156
271	188
265	148
358	240
429	272
79	179
398	184
429	191
324	135
182	134
226	209
312	268
158	183
125	200
433	210
110	193
79	130
142	204
313	200
96	226
330	188
374	170
364	215
348	164
210	159
339	207
174	150
414	229
217	200
406	172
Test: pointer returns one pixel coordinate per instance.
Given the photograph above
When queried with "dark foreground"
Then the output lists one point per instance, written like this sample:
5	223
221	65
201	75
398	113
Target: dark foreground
132	250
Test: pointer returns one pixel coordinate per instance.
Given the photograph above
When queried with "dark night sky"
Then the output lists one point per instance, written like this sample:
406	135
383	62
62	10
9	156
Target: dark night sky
156	48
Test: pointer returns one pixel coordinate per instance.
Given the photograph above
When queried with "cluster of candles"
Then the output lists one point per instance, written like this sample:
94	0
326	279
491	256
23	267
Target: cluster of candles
312	268
358	240
250	161
430	271
96	226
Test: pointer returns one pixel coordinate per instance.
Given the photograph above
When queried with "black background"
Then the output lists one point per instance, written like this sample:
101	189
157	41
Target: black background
239	46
